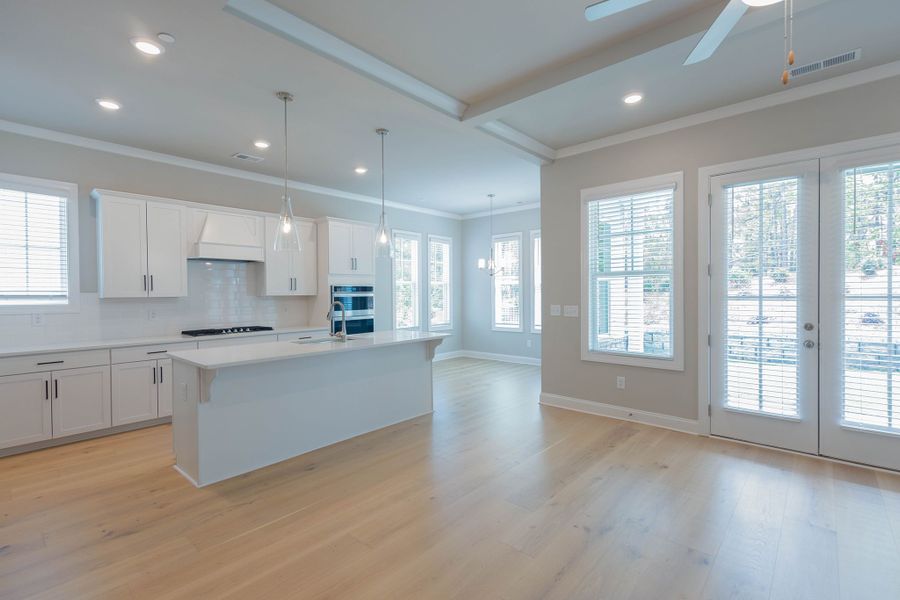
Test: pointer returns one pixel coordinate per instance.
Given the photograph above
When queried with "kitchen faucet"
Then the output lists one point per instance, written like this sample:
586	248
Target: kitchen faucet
342	334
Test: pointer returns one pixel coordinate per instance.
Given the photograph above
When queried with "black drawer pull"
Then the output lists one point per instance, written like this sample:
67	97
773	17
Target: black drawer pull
158	352
50	362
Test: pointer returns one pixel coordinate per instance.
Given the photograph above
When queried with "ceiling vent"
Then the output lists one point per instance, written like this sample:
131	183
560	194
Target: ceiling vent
247	157
828	63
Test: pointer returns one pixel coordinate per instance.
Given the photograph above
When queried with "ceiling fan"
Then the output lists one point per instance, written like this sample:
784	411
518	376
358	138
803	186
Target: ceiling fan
713	37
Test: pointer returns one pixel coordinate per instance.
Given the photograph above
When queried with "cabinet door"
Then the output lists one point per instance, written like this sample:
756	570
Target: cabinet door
277	268
164	387
134	395
166	256
122	241
24	409
304	263
80	400
364	249
340	248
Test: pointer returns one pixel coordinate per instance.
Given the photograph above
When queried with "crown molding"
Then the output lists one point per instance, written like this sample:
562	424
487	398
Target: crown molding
502	211
197	165
841	82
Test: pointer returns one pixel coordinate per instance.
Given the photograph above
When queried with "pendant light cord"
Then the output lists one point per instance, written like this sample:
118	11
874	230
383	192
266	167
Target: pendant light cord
285	99
382	134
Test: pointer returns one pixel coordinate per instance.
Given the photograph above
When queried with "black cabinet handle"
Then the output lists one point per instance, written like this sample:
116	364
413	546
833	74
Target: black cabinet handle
157	352
154	375
50	362
145	283
56	388
160	374
151	283
46	389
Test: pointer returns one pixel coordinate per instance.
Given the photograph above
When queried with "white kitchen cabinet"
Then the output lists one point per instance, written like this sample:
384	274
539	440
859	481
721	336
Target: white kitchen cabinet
290	273
81	400
141	247
25	409
135	392
351	248
303	335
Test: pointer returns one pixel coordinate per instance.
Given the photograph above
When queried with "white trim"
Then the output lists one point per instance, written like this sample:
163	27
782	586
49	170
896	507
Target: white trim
502	211
266	15
197	165
620	412
500	130
73	293
507	358
439	356
427	304
704	174
410	235
534	233
834	84
517	236
637	186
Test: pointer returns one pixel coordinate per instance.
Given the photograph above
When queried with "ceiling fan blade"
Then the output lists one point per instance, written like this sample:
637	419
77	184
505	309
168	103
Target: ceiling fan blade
605	8
717	32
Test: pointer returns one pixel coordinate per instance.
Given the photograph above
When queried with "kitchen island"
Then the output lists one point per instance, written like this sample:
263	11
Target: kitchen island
241	408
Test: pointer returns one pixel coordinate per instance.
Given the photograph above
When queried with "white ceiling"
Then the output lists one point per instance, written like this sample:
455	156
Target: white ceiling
534	65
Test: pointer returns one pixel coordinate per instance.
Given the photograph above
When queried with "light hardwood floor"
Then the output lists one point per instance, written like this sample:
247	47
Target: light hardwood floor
491	497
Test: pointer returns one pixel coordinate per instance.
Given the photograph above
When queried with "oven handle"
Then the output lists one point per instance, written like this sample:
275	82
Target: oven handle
353	295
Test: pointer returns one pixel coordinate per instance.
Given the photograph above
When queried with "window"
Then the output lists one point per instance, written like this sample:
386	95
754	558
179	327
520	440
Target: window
631	267
507	282
38	245
439	298
536	280
406	280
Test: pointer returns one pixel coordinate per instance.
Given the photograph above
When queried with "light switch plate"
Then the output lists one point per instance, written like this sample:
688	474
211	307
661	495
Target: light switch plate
37	319
555	310
570	310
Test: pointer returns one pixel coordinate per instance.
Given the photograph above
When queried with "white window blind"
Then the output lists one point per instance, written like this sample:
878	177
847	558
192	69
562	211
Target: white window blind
439	293
630	274
507	282
871	357
406	280
536	280
34	246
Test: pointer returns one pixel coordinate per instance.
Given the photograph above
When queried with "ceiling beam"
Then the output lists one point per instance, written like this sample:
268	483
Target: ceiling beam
500	130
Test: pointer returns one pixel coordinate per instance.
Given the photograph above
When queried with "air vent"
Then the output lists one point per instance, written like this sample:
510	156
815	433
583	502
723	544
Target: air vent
247	157
828	63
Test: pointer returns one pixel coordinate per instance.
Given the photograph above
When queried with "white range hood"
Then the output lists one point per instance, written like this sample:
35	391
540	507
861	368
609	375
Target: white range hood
226	236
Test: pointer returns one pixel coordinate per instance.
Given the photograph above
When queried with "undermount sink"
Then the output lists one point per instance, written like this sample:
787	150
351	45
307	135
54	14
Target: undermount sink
324	340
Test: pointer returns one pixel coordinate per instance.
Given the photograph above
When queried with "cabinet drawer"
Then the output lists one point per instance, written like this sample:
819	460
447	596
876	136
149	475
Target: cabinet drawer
302	335
34	363
137	353
256	339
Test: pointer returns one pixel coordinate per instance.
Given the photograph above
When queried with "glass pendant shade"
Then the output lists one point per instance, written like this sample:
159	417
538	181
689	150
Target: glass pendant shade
384	247
286	236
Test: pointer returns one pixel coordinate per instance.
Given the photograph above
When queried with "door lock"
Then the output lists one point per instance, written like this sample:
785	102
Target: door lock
809	344
808	326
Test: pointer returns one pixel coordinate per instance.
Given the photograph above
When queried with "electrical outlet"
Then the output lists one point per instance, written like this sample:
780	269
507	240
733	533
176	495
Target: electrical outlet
620	382
37	319
151	314
555	310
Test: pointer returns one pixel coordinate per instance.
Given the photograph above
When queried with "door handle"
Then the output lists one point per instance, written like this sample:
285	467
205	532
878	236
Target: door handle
809	344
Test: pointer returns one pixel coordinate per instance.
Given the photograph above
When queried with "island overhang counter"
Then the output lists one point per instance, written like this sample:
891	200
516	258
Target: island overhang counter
241	408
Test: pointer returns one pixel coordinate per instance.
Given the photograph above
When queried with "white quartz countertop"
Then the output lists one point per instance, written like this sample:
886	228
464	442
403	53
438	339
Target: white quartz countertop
248	354
145	341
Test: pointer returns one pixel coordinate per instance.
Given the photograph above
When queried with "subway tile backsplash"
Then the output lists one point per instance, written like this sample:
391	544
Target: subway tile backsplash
219	293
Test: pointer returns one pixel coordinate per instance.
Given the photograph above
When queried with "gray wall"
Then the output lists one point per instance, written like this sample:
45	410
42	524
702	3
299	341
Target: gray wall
91	169
477	333
860	112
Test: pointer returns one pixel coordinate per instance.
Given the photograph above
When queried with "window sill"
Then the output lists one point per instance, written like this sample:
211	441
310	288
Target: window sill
666	364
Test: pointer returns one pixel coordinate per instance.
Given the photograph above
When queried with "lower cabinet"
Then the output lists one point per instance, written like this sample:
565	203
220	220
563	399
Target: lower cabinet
81	400
135	392
164	388
25	409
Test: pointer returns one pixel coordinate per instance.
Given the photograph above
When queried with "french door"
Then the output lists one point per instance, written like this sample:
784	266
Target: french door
805	307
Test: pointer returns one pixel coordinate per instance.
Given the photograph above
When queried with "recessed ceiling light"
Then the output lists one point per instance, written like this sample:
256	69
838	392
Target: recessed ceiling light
761	2
361	170
633	98
165	38
146	46
108	104
261	144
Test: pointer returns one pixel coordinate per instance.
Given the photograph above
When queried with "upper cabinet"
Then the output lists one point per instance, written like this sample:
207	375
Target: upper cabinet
141	247
290	273
351	247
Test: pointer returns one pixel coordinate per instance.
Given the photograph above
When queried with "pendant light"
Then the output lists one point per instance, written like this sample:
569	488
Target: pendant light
490	265
286	236
384	247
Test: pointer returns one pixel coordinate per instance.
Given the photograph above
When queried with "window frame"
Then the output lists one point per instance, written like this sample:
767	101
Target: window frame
628	188
69	191
449	298
517	236
417	296
535	234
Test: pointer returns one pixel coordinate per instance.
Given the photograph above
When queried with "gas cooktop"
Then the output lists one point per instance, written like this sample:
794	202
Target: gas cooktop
225	330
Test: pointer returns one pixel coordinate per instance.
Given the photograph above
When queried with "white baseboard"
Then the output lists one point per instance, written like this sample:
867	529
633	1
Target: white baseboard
508	358
621	412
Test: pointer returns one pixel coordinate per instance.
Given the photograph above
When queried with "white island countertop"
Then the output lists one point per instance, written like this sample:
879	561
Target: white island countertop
248	354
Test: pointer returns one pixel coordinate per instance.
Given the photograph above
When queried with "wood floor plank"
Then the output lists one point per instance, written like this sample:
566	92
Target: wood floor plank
491	497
